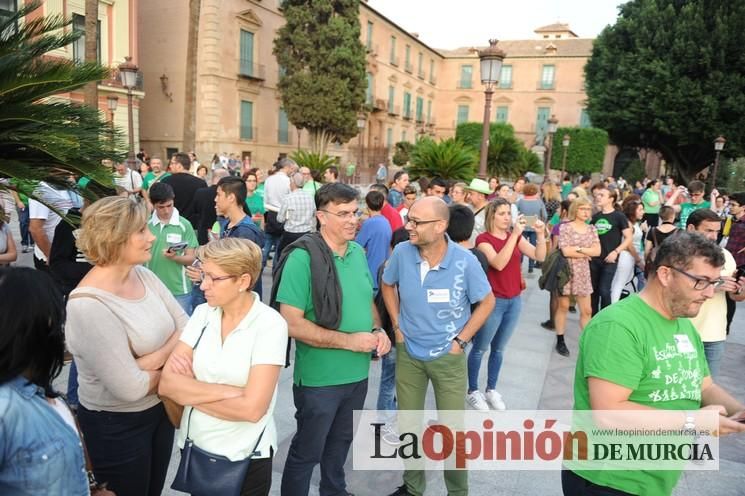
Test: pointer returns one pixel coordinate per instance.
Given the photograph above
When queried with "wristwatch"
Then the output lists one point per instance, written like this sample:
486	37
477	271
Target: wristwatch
690	423
377	329
460	342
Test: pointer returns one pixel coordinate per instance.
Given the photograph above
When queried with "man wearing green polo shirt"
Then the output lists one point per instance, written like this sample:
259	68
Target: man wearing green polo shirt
330	313
696	194
170	229
156	174
643	354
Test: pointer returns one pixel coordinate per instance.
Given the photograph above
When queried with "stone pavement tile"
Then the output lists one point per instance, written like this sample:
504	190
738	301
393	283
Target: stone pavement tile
730	480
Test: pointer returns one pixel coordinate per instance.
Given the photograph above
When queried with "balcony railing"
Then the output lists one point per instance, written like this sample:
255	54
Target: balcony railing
465	84
420	74
407	114
252	71
372	50
394	61
284	136
409	67
546	85
432	79
505	85
394	110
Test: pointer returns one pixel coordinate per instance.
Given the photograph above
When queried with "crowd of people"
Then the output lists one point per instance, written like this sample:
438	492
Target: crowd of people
157	300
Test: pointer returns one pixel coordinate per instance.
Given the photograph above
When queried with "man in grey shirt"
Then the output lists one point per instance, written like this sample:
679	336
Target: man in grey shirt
297	212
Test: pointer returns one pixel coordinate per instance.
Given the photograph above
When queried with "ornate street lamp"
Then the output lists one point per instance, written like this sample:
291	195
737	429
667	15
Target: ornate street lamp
565	144
553	125
491	67
128	75
112	102
718	147
361	119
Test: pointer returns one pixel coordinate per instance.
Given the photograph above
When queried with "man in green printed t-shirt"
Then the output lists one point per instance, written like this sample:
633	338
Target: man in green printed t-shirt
696	193
333	343
643	354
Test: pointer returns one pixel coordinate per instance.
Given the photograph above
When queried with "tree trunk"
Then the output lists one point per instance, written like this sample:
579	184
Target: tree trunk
190	79
90	92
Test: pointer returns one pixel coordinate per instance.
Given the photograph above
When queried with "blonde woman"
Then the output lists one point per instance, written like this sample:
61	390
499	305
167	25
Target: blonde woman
579	242
122	324
227	365
458	193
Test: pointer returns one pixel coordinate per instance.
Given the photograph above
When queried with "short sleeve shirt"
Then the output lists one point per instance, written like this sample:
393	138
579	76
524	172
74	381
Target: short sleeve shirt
330	366
434	311
662	361
687	208
171	273
505	283
259	339
610	230
375	238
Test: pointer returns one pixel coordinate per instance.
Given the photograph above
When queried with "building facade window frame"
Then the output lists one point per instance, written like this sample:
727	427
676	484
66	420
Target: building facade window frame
246	49
466	77
246	130
393	59
78	46
502	114
505	77
462	114
283	128
368	43
548	77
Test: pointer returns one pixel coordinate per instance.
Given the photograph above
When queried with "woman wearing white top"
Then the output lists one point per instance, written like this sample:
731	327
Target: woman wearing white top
230	379
633	255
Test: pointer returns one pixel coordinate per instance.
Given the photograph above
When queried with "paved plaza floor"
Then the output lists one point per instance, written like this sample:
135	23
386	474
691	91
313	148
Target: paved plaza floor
533	376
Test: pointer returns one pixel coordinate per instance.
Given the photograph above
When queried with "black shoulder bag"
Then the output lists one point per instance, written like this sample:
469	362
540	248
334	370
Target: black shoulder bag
201	472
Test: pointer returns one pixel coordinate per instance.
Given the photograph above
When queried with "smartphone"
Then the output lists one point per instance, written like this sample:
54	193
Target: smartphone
176	247
740	272
530	220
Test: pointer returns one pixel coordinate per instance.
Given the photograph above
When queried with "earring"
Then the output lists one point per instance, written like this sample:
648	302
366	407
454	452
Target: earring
240	290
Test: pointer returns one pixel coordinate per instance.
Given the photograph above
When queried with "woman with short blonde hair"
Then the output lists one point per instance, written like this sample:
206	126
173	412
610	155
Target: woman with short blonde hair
226	368
122	324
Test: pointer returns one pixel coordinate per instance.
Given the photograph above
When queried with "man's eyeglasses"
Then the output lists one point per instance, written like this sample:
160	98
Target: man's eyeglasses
343	215
414	223
700	283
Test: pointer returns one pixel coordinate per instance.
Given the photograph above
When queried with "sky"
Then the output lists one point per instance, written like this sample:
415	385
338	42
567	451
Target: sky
463	23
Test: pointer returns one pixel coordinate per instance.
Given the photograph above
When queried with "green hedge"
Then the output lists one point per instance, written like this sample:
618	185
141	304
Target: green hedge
586	150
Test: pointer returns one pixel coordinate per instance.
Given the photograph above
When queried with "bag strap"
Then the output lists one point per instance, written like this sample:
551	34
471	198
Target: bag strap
191	409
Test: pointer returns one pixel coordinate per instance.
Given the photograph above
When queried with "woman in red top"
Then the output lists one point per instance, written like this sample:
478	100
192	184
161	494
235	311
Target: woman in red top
503	246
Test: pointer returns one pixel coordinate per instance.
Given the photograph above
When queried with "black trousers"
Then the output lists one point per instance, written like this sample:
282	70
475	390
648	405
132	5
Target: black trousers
601	274
325	424
574	485
130	451
287	238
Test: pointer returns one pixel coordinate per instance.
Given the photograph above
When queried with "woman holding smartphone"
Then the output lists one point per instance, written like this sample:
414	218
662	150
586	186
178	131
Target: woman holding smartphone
503	245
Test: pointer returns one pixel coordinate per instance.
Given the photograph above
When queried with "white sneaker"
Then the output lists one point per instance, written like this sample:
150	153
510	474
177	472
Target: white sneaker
495	400
389	435
477	401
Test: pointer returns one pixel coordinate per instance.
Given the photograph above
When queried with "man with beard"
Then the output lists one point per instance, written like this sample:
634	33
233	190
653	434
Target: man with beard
643	354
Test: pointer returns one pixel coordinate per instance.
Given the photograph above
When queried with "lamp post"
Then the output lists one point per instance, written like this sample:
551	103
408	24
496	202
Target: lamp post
565	144
128	76
491	66
718	147
553	125
361	126
112	102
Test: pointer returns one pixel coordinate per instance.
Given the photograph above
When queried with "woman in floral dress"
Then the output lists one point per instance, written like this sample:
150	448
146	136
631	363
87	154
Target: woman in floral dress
579	242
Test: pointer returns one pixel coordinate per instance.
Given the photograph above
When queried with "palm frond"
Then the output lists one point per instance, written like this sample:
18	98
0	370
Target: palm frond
43	138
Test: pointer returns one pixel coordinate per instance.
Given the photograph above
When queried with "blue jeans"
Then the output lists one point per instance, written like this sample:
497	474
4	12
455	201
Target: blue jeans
23	218
531	237
185	302
714	351
270	240
197	296
72	386
494	334
387	392
325	425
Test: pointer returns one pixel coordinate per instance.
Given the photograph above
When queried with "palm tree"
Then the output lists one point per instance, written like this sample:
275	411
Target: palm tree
448	159
190	93
91	48
43	138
